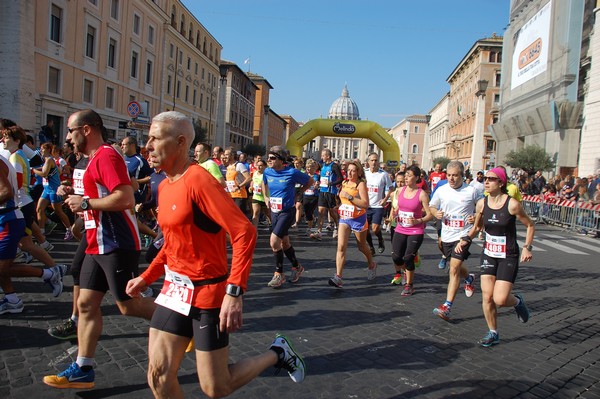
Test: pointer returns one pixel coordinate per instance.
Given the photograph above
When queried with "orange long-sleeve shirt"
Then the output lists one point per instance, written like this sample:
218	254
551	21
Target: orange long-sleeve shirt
194	252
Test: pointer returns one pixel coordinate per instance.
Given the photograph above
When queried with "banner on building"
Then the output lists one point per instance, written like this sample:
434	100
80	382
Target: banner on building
530	57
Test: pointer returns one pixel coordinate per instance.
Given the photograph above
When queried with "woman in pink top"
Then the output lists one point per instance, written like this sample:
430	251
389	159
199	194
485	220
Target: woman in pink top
408	209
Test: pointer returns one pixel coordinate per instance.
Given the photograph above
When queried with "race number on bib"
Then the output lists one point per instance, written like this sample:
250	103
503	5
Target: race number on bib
309	192
231	186
454	222
176	293
257	188
78	181
276	204
403	218
372	188
324	182
89	222
495	246
346	211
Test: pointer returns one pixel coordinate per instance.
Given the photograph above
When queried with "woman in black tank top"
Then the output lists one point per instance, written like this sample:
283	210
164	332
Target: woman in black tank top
497	214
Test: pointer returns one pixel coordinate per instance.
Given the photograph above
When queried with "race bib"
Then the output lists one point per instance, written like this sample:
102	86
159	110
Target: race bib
495	246
324	182
231	186
309	192
78	181
403	218
373	188
176	293
276	204
257	188
346	211
454	222
89	222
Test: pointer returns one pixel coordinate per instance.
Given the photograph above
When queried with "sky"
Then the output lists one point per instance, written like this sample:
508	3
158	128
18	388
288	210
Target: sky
394	55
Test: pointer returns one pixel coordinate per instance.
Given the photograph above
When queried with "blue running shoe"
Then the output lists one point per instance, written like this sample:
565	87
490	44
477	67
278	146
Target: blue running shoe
489	339
443	263
521	309
73	377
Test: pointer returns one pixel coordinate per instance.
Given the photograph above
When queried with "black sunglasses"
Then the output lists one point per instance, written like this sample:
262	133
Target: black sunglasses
491	178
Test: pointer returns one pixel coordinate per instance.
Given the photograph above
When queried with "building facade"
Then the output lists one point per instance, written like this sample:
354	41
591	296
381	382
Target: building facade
437	133
541	101
473	104
410	134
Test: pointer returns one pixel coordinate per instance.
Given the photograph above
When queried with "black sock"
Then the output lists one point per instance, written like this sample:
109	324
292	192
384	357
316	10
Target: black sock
291	255
278	261
369	239
380	238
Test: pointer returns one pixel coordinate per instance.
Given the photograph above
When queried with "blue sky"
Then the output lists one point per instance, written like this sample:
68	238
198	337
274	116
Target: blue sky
394	55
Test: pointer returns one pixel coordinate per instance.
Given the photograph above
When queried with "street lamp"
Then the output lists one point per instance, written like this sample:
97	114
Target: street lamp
482	85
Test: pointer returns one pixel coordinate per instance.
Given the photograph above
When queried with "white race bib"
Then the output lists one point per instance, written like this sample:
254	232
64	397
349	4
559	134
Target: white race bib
403	218
231	186
257	188
176	293
78	181
88	220
309	192
454	222
276	204
346	211
324	182
495	246
373	188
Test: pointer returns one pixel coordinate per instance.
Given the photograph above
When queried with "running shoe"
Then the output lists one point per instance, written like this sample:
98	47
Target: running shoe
277	280
443	264
289	359
296	273
470	285
47	246
335	233
65	330
316	236
23	257
443	311
329	227
55	281
397	280
521	309
408	290
7	307
381	248
336	281
68	235
73	377
372	272
309	231
489	339
295	225
50	226
149	293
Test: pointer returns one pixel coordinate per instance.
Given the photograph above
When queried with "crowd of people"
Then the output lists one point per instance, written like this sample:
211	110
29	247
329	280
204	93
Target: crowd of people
195	202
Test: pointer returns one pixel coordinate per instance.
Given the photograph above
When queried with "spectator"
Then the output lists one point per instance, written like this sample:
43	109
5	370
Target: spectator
46	135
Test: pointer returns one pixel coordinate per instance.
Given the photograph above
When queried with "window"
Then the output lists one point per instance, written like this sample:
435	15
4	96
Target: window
88	87
187	93
169	82
189	64
178	89
151	35
134	64
415	149
194	97
416	129
171	50
182	25
180	57
114	9
94	2
54	80
90	41
149	72
136	24
55	24
496	98
196	69
112	53
498	78
110	96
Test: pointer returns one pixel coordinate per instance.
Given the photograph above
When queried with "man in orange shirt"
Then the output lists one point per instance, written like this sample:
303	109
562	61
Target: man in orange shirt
200	298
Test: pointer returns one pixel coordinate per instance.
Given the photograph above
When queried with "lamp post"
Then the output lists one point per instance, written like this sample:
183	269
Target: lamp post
478	134
426	159
220	134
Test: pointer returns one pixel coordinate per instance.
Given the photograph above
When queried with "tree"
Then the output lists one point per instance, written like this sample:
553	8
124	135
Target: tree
530	159
200	132
443	161
254	149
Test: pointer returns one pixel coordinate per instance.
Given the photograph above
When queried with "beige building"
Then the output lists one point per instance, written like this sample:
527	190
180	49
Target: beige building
410	134
60	56
437	133
291	125
473	104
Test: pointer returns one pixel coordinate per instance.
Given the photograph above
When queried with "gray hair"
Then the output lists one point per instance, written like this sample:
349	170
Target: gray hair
456	165
178	124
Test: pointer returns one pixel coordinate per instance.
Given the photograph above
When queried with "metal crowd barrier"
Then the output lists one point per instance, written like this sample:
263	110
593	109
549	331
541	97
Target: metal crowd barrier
571	215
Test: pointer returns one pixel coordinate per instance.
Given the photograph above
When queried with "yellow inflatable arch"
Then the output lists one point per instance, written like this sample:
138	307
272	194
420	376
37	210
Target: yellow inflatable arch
345	129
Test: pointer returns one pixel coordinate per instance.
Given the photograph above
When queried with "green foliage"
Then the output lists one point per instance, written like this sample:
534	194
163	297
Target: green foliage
200	133
530	159
444	161
254	149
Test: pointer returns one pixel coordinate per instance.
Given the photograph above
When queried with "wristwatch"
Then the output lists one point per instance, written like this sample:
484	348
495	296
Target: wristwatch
233	290
85	204
528	247
350	198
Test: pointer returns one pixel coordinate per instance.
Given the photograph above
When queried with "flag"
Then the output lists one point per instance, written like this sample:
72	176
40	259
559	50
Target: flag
458	110
247	61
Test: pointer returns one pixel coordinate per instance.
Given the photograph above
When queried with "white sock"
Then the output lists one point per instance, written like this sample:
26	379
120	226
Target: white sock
84	361
75	319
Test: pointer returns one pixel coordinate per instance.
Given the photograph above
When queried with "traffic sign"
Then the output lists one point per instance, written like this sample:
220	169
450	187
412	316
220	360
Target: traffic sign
133	109
137	125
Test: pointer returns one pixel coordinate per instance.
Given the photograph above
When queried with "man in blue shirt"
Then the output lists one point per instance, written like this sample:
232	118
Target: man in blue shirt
137	166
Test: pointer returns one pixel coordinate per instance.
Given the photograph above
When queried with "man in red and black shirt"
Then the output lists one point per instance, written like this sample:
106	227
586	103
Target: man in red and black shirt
113	243
436	176
201	297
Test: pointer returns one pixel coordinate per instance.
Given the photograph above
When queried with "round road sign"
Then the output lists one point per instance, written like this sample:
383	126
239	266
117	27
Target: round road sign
133	109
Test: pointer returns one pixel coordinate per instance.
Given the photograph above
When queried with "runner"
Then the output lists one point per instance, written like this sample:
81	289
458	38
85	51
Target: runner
195	214
409	204
437	175
258	199
497	213
354	196
298	164
113	243
378	184
331	176
236	177
453	204
310	199
202	156
279	182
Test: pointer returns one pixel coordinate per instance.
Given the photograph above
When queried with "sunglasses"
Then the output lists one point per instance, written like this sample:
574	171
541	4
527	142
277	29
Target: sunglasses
272	158
491	178
72	129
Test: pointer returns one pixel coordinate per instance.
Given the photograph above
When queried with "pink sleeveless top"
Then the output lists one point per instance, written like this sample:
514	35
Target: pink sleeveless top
409	208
